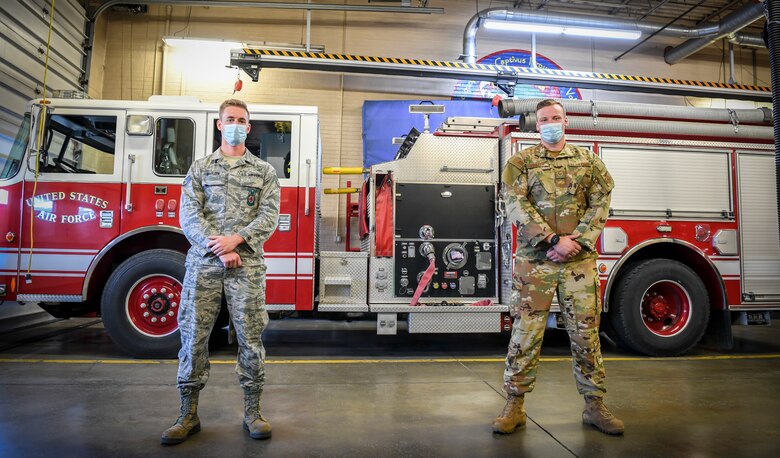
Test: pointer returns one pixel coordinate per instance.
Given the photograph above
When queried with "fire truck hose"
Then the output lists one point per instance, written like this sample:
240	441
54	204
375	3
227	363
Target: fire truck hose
385	234
424	281
482	303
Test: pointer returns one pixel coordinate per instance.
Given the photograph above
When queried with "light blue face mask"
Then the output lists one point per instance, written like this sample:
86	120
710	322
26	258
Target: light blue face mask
234	134
552	133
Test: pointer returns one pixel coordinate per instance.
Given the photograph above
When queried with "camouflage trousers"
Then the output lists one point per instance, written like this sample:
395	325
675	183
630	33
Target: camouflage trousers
577	285
244	290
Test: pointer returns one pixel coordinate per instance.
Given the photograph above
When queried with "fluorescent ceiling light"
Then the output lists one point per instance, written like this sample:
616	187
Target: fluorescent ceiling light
521	27
217	44
603	33
561	30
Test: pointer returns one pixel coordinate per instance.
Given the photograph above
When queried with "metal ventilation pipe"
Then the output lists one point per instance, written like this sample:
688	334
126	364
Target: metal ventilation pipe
274	5
507	14
743	39
735	21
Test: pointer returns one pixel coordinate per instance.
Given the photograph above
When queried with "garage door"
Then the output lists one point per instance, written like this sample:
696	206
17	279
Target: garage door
24	28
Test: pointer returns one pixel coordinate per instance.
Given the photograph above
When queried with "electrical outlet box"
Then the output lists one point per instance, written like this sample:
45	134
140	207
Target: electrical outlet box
387	323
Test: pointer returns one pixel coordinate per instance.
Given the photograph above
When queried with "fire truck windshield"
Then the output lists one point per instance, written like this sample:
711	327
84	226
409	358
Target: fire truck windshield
10	161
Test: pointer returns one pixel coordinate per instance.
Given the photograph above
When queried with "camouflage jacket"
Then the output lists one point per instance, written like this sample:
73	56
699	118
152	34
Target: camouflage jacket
566	194
217	199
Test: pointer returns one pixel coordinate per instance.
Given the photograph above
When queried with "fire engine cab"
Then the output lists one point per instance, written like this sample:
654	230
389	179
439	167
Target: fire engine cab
89	203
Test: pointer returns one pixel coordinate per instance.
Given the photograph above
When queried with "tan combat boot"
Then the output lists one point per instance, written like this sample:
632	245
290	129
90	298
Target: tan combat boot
596	413
258	427
188	422
512	417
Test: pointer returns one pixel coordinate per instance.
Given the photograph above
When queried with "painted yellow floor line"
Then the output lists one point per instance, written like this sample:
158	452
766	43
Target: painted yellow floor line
379	361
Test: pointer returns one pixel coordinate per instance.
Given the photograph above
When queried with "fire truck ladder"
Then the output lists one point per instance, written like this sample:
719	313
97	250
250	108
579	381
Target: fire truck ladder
252	61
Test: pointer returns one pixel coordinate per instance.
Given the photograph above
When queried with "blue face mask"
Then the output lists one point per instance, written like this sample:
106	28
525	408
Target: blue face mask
234	134
552	133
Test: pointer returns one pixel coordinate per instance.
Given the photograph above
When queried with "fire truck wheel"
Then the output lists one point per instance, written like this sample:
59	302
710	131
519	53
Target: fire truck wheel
140	303
660	308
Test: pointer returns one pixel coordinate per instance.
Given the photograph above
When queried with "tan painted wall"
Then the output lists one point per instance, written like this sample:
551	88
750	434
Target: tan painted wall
128	64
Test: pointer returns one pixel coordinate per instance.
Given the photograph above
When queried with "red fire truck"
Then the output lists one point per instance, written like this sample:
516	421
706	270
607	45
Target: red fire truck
89	202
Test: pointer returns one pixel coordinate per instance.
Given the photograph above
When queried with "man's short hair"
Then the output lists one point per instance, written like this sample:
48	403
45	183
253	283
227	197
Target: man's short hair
233	103
549	103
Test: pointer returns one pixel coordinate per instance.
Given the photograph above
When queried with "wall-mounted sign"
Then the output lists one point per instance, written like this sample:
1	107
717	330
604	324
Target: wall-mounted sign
514	58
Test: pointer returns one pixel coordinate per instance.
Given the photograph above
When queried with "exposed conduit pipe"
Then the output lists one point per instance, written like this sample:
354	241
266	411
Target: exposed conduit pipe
275	5
734	22
546	18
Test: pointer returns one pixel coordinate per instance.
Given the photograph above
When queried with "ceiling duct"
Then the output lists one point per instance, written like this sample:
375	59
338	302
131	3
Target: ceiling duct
730	24
702	32
743	39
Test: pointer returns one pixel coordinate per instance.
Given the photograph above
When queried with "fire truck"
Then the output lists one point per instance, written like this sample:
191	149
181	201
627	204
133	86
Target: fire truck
90	194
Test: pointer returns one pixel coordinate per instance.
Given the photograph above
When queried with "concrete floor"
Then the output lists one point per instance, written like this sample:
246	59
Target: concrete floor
337	389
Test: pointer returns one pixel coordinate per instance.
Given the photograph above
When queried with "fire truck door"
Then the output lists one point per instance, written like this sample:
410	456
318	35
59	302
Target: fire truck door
156	164
73	210
274	138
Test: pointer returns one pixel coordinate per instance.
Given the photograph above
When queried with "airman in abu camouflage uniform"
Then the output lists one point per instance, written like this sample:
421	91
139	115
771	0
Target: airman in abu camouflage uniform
557	195
229	208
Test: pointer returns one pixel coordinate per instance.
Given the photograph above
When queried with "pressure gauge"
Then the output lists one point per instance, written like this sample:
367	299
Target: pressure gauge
455	256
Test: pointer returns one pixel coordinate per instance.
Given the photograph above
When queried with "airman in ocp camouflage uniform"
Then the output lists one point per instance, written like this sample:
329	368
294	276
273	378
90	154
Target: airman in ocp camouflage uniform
557	195
229	208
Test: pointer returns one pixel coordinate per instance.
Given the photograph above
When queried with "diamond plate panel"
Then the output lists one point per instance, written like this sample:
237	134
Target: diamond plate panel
470	161
381	289
343	277
505	236
342	307
462	309
454	322
279	307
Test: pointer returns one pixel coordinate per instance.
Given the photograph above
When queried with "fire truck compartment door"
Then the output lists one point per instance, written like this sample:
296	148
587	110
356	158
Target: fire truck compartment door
77	203
758	220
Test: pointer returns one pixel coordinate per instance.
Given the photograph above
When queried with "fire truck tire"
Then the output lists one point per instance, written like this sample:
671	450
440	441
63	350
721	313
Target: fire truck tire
660	308
140	303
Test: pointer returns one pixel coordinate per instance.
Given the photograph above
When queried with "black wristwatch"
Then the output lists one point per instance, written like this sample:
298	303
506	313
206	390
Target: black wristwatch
555	239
